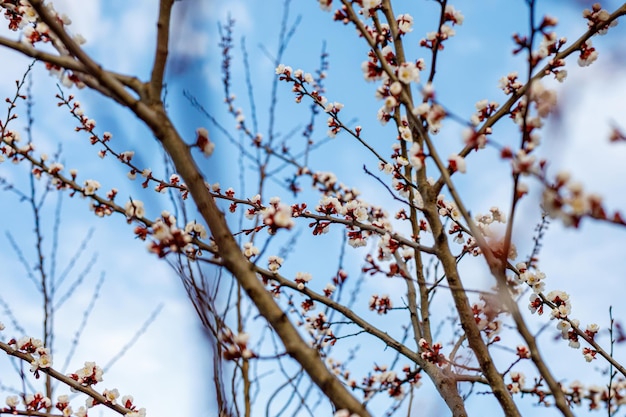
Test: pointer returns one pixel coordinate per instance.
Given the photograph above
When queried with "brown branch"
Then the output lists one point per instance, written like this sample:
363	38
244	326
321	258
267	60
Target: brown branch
88	390
154	116
441	246
466	316
69	63
495	265
497	270
66	62
107	79
242	270
160	55
443	379
506	107
369	227
421	176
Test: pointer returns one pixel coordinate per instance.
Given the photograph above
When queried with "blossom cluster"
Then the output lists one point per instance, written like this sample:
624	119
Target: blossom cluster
566	200
597	17
384	379
534	279
300	80
380	303
432	353
166	236
37	402
42	358
340	204
549	46
318	326
596	397
235	345
486	315
63	405
434	40
518	380
10	147
89	374
277	215
23	17
88	125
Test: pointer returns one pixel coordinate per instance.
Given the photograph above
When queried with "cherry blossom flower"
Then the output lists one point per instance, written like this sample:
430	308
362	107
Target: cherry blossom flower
301	279
274	263
544	99
196	230
523	352
326	5
431	353
91	186
333	108
62	401
517	382
589	354
329	289
12	401
534	279
43	361
357	239
126	156
357	210
111	395
249	250
416	156
598	16
390	104
562	304
37	401
395	88
457	163
134	208
453	15
90	374
446	32
277	216
28	344
370	4
380	304
588	54
405	23
203	142
408	72
55	168
284	70
592	330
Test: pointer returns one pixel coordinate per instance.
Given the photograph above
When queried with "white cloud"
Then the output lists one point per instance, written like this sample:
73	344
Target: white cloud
85	16
240	11
592	102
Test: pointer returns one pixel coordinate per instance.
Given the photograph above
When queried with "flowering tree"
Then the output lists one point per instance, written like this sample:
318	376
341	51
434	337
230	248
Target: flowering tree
424	247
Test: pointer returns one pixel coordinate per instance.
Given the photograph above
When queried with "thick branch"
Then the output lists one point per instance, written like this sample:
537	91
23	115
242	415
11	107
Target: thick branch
160	55
243	271
154	116
66	62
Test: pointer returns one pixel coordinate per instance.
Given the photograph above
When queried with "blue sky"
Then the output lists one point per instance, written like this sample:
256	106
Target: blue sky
165	370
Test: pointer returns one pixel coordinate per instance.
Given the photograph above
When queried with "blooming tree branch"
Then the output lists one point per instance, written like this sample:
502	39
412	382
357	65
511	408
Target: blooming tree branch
423	245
